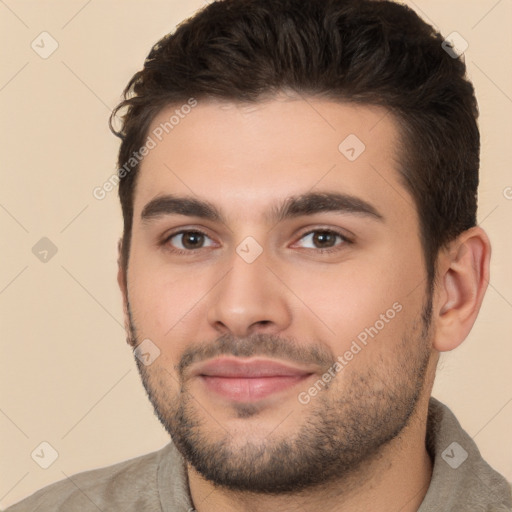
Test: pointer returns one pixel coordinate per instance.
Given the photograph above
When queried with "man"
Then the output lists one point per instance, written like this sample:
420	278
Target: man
299	246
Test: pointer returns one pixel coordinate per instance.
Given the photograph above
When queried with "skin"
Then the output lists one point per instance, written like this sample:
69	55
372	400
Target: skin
244	159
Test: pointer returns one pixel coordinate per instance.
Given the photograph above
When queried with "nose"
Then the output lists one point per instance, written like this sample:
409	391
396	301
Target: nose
249	299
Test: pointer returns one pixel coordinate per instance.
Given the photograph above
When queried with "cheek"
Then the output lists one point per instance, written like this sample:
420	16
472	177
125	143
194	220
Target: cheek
159	296
363	299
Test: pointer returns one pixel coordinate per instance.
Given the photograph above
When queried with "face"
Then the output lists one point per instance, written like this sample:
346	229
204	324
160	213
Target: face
277	278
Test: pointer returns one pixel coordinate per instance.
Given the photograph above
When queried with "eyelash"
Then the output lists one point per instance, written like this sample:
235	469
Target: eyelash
192	252
344	240
183	252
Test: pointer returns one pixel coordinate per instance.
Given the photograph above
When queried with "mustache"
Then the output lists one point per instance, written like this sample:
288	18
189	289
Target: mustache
258	344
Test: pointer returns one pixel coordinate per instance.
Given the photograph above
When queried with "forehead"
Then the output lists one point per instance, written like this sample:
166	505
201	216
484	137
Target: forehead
246	156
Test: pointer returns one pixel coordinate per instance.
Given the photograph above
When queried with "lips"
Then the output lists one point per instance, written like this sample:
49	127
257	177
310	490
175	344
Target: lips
248	380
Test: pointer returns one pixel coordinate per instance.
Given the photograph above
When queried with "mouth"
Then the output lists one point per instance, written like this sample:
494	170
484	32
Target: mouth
249	380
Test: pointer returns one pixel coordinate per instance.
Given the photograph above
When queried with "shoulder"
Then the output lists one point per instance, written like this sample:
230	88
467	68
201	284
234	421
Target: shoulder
461	478
128	485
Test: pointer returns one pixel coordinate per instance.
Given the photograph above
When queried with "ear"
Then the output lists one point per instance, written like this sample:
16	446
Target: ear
121	281
462	279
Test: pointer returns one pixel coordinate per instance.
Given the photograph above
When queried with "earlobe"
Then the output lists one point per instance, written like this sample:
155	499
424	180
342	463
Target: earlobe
462	282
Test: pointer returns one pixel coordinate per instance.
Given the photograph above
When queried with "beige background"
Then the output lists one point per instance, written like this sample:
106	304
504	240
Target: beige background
67	377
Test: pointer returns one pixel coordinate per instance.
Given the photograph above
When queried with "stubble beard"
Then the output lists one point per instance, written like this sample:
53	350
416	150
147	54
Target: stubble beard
336	436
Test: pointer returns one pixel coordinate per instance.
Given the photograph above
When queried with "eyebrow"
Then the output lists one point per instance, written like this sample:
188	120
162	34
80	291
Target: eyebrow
295	206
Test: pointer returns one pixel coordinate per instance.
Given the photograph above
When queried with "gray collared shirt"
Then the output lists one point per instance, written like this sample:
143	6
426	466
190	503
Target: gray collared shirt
461	480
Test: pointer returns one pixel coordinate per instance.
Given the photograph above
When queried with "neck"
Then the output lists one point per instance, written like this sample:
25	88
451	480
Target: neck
397	478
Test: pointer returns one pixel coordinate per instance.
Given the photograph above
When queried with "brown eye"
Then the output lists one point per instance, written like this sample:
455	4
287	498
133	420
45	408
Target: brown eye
189	240
322	239
192	240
